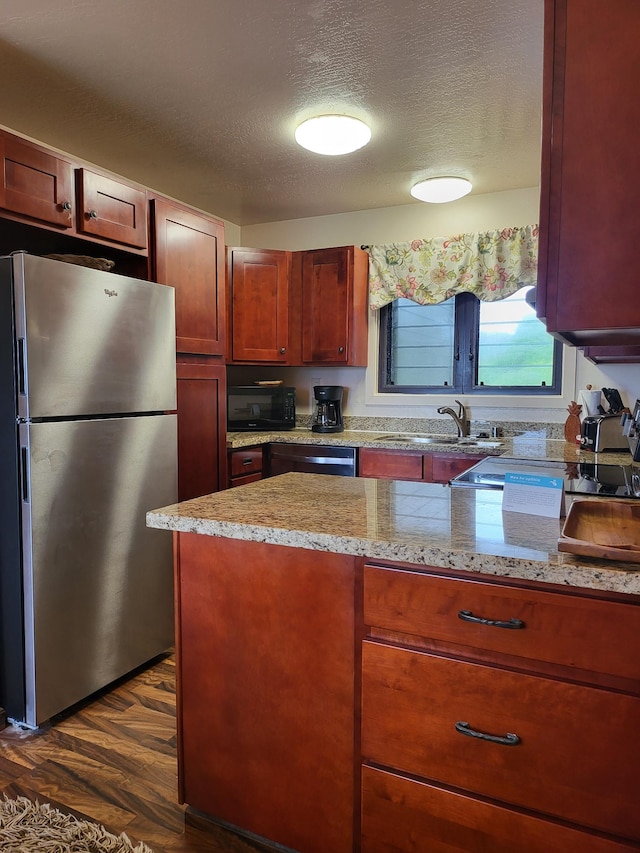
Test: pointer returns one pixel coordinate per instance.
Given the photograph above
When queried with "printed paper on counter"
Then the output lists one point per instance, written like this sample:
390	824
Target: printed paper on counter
533	494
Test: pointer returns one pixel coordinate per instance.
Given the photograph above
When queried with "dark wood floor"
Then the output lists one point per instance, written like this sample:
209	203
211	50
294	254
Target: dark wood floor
113	761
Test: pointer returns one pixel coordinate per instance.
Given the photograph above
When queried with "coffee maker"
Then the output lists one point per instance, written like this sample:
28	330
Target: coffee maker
327	415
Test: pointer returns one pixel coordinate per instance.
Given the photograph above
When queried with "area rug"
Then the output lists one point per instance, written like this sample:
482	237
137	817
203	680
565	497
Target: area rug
27	827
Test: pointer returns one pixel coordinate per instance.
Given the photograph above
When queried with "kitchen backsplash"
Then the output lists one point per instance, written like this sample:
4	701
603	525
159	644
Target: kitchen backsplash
442	425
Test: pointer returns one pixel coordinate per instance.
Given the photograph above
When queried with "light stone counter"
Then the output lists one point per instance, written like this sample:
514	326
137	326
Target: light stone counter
420	523
529	445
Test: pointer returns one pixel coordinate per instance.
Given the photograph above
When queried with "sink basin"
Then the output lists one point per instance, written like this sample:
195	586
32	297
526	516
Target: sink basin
408	438
420	439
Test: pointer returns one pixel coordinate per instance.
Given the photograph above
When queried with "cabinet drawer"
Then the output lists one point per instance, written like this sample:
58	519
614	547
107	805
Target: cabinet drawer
575	758
245	461
401	815
565	629
242	481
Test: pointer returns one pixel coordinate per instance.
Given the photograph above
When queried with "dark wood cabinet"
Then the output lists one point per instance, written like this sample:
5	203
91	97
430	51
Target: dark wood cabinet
259	306
245	465
58	193
484	732
36	183
334	288
266	723
588	281
111	210
202	426
432	467
300	308
188	254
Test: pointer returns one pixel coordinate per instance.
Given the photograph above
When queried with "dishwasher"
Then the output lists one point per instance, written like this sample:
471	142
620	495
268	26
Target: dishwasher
312	459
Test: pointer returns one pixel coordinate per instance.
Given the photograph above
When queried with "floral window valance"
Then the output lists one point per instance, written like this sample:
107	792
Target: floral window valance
492	265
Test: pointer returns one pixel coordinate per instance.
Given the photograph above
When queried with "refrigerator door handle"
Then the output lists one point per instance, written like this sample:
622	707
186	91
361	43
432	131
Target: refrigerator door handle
22	388
24	462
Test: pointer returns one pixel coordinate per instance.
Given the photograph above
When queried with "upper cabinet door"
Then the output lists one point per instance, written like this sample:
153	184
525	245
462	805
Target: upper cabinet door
259	296
35	183
112	210
188	252
589	224
334	306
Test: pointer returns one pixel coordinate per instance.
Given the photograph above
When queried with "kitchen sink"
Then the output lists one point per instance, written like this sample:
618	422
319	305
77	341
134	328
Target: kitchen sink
463	441
419	439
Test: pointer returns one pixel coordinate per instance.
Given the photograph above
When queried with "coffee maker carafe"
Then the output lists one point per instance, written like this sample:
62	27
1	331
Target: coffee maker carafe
327	416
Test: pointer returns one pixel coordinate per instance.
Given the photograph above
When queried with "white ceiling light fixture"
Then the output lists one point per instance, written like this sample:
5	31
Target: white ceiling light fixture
439	190
332	134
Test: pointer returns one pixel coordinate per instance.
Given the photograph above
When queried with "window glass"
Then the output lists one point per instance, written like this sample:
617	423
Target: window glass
514	347
467	345
422	343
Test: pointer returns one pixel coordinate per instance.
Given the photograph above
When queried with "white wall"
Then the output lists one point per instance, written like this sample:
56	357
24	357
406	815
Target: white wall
404	223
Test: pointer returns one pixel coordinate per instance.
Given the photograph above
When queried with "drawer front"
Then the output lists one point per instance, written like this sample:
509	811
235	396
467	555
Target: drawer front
401	815
575	757
242	481
389	464
565	629
245	461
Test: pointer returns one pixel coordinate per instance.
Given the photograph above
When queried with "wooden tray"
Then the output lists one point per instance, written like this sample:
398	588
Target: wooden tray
603	528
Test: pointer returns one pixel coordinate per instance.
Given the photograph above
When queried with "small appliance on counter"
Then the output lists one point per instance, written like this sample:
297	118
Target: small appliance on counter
327	415
631	429
601	433
263	406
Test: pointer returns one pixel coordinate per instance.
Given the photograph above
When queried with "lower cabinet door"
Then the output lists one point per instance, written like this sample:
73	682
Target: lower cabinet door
554	747
202	422
401	815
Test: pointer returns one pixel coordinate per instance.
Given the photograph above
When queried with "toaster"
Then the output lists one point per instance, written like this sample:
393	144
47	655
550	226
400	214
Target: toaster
603	432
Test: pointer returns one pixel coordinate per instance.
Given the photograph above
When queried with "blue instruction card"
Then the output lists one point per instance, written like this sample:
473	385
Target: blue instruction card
533	494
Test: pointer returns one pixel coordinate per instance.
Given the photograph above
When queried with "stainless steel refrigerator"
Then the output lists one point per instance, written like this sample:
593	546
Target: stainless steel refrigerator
87	445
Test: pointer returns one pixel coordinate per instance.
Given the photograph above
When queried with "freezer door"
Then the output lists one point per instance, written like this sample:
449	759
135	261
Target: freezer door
98	584
90	342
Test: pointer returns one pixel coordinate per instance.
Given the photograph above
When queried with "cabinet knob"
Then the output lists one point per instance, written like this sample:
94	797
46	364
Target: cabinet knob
283	350
66	205
93	214
340	349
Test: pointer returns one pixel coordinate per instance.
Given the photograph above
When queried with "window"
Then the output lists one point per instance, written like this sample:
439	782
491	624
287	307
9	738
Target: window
464	345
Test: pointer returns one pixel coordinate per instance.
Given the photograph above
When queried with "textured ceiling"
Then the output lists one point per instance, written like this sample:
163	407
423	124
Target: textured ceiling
199	98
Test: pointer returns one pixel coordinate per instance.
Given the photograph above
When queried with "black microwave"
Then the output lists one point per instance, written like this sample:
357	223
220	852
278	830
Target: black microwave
260	407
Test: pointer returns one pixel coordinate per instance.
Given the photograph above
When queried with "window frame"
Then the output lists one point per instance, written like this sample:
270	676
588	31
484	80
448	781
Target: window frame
465	346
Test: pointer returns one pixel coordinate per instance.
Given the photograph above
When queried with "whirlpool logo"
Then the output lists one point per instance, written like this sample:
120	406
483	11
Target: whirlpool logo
111	292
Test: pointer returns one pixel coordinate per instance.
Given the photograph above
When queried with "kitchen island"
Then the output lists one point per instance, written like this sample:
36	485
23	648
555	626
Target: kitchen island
386	665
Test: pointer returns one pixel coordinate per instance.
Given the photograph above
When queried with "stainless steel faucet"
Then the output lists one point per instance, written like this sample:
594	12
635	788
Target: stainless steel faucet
460	417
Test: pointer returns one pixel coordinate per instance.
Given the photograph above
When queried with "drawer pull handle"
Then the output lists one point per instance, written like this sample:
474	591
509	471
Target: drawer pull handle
505	740
247	460
468	616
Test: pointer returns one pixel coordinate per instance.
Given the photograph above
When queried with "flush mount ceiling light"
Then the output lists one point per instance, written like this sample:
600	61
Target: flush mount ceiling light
332	134
439	190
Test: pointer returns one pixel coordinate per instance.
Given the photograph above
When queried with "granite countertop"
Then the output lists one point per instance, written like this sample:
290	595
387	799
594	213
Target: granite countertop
420	523
529	445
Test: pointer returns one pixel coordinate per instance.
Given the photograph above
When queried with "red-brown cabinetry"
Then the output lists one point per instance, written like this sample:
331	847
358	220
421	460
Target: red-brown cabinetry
111	210
334	290
487	712
431	467
266	704
36	183
189	255
588	281
298	308
260	314
202	426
